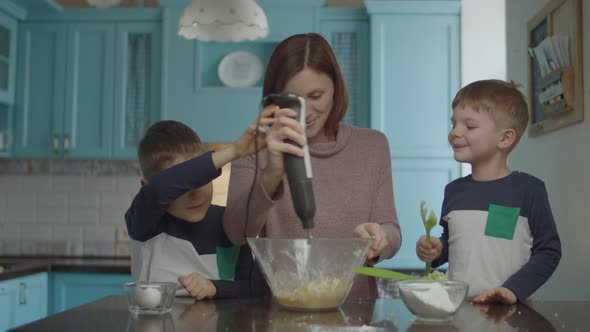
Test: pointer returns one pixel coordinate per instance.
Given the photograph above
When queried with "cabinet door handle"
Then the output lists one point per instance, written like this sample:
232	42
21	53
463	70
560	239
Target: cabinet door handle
55	143
24	292
66	143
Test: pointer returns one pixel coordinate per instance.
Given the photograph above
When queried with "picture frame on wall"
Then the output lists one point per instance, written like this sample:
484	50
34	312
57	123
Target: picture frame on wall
555	67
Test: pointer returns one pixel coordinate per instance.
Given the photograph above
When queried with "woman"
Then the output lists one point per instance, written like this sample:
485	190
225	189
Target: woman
351	166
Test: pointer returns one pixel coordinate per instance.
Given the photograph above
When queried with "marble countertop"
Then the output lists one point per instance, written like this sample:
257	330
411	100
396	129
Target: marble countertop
354	315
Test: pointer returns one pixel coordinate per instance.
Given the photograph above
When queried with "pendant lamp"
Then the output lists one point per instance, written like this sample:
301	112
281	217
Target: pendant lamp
104	3
223	20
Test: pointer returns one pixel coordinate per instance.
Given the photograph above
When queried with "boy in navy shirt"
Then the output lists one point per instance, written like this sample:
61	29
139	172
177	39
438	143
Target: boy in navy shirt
499	235
176	233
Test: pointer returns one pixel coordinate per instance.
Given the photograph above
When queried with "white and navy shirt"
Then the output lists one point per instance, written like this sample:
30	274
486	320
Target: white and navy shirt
499	233
164	247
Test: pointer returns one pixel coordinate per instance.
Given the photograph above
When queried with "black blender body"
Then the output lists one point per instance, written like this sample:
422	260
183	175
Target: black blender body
298	169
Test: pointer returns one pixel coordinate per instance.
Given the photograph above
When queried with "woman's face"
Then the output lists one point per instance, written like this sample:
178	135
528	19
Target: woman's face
318	90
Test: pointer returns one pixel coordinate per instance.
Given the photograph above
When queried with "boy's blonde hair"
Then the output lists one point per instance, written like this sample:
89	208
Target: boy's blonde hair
164	142
502	100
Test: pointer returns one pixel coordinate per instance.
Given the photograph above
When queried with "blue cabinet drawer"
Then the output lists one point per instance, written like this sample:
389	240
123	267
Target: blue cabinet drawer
73	289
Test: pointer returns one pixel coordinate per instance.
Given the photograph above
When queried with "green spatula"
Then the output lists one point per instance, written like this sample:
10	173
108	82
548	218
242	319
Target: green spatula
383	273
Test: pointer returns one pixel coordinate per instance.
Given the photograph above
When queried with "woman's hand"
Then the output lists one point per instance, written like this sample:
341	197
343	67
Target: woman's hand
285	127
375	231
198	286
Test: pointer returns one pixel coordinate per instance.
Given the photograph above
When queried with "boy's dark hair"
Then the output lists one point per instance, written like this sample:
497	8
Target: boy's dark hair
165	141
502	100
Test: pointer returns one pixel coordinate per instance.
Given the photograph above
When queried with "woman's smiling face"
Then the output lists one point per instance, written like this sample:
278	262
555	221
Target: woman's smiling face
318	91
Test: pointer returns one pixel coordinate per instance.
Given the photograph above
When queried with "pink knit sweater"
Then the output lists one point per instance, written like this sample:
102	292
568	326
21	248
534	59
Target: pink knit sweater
352	185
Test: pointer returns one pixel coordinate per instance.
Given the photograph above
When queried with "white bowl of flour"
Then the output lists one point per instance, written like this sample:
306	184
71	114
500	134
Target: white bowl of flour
433	300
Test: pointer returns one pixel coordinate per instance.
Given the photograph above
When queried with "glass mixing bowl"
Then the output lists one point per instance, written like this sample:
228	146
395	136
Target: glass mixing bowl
431	300
309	274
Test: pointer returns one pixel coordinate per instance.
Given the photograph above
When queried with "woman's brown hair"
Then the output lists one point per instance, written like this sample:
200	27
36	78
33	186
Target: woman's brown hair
311	51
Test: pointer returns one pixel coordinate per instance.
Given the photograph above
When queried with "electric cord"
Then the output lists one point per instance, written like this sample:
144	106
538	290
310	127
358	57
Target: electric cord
250	197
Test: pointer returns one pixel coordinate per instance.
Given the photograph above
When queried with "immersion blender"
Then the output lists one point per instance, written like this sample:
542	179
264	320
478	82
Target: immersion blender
298	169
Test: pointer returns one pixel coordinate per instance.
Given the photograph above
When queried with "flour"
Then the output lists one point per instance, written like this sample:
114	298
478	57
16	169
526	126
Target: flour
428	300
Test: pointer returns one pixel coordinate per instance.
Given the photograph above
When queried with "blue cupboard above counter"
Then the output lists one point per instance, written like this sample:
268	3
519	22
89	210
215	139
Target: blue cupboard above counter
74	89
86	89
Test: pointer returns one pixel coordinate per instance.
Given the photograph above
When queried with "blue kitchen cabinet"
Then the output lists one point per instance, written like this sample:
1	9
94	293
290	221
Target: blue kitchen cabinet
86	90
73	289
347	31
23	300
137	84
415	73
8	37
8	300
6	114
65	90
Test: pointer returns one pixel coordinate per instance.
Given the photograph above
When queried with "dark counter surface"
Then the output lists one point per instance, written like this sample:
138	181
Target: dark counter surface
14	267
111	314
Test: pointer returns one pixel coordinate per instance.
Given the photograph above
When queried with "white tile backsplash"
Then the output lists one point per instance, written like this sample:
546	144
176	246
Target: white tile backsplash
113	207
9	231
2	206
103	184
21	208
63	214
83	216
37	232
10	183
67	183
67	233
36	183
99	233
128	184
52	200
84	200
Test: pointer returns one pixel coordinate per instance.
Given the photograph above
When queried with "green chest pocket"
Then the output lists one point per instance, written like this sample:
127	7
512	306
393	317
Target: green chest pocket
227	259
501	221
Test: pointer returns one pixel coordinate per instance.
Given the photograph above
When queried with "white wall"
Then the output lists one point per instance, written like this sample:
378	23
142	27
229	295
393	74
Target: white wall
483	40
560	158
483	44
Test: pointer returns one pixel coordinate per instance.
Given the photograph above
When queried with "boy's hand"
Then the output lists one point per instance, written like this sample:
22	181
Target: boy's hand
428	251
495	312
244	146
496	295
198	286
372	230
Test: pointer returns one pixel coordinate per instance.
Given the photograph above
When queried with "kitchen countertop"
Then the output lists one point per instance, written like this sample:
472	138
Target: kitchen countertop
354	315
15	266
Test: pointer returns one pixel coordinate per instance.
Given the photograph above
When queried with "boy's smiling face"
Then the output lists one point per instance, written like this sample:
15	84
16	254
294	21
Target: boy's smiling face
475	136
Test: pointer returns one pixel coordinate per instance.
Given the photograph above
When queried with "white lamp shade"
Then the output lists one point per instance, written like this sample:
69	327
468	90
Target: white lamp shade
223	20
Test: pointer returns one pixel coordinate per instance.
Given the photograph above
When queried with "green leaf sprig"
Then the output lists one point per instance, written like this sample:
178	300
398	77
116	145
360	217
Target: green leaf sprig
429	223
